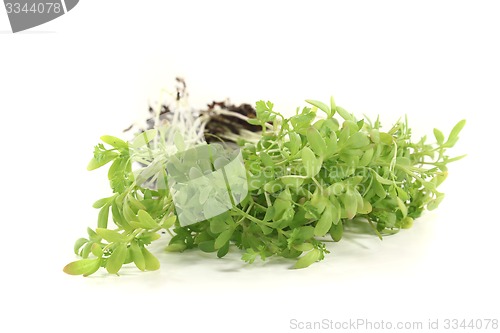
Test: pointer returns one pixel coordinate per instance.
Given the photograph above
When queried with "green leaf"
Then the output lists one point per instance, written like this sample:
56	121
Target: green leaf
282	203
263	111
378	189
350	204
101	202
319	201
407	223
367	157
116	168
116	259
175	247
333	106
135	203
265	229
344	114
144	138
137	256
449	160
329	125
428	185
207	246
343	135
316	142
266	159
318	125
295	142
94	164
149	237
223	250
78	244
117	216
402	207
303	121
249	256
325	222
312	165
305	233
147	222
434	203
375	135
453	137
320	105
352	125
223	238
83	267
402	194
96	250
93	236
253	121
308	259
86	250
218	225
336	231
195	172
365	208
114	141
270	213
119	174
381	179
128	257
168	222
386	139
272	187
179	142
304	247
128	213
152	263
293	180
102	218
357	140
389	220
439	136
404	161
111	236
331	144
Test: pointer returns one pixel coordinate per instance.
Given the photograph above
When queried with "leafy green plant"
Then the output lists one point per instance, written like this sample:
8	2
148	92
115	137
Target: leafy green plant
308	176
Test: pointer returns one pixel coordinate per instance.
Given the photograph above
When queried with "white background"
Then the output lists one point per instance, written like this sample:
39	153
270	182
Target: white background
93	72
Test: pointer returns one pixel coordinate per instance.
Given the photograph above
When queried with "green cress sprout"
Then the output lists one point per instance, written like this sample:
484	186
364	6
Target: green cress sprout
308	177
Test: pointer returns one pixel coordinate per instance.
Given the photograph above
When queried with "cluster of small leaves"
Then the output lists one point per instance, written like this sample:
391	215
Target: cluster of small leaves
308	176
137	213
